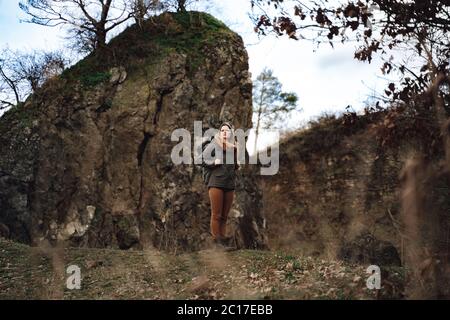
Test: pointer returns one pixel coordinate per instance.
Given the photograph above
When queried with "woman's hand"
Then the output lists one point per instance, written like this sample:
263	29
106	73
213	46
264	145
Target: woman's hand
217	161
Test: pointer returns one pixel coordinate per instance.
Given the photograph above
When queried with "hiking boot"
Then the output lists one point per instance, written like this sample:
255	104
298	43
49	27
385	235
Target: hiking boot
219	244
225	242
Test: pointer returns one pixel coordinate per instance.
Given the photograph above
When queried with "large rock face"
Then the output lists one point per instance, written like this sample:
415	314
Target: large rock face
87	160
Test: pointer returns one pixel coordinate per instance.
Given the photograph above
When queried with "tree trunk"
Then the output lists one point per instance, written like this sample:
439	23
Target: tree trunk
101	40
258	119
140	11
257	129
181	6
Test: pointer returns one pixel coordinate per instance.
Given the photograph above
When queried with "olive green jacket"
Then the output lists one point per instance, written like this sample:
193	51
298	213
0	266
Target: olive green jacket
222	175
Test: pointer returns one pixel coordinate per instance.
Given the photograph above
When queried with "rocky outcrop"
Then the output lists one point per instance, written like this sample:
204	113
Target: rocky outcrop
338	193
87	160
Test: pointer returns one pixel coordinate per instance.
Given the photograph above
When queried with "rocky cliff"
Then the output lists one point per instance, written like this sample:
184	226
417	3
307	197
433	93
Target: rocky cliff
346	184
86	159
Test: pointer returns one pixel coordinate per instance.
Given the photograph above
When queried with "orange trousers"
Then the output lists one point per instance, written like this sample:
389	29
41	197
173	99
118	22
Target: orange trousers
221	201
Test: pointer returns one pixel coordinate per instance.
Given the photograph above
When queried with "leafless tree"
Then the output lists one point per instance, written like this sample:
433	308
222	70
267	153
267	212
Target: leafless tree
22	73
144	8
88	20
179	5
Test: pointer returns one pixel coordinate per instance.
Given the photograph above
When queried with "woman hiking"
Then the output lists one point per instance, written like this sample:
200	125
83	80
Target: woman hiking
221	184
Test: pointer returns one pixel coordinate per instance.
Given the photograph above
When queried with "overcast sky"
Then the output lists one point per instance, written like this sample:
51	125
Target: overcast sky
325	81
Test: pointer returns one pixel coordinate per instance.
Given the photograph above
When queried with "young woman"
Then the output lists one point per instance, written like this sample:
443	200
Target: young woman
221	184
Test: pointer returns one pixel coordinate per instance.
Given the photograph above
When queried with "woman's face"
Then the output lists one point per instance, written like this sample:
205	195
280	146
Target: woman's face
225	132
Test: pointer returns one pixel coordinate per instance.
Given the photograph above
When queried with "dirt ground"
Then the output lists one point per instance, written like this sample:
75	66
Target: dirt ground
41	273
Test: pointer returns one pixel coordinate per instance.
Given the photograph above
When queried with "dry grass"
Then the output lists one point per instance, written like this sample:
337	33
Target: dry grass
36	273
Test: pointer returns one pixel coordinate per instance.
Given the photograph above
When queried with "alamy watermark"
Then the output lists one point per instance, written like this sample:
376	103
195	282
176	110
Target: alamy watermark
74	279
374	280
181	152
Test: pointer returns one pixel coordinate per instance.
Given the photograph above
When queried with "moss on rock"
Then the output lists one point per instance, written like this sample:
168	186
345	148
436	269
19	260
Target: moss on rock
184	32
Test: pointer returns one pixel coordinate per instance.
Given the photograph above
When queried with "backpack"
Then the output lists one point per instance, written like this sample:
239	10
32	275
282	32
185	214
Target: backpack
206	171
